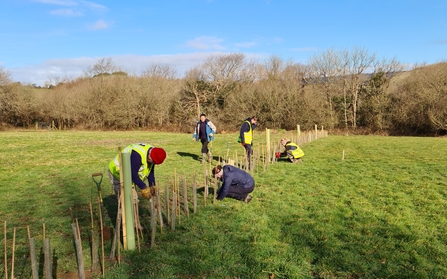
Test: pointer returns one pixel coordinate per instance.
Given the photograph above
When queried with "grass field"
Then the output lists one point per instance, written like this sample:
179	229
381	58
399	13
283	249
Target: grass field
379	213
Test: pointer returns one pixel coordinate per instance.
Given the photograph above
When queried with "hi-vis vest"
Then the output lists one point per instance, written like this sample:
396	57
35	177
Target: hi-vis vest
142	149
248	136
297	152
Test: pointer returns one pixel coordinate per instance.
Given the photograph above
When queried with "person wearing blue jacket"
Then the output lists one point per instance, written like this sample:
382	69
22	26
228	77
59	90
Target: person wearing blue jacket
204	131
236	183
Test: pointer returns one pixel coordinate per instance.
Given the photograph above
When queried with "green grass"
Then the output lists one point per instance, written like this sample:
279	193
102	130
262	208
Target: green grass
379	213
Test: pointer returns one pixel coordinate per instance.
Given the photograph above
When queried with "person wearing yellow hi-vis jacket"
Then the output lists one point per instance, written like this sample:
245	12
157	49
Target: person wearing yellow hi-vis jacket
246	136
292	151
143	159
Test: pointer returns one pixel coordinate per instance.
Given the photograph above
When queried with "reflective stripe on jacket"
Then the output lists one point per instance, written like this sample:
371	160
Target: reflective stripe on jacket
248	136
297	152
142	149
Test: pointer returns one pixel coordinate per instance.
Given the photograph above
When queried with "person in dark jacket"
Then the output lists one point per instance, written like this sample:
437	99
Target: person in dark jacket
236	183
204	132
246	137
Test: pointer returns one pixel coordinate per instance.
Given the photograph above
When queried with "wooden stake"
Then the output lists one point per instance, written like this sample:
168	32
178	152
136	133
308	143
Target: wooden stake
102	236
267	143
32	252
167	203
205	189
343	155
174	209
136	218
13	253
185	197
47	249
153	223
215	190
77	227
194	193
236	161
177	190
160	216
94	245
116	235
6	255
44	237
78	251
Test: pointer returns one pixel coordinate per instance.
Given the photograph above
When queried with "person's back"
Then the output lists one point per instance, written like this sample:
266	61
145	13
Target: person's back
292	151
236	183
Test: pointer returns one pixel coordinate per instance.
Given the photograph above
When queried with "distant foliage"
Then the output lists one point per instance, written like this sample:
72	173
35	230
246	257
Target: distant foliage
346	90
421	101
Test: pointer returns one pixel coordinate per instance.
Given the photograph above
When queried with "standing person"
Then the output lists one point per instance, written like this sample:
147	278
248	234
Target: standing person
246	136
143	159
204	132
292	151
236	183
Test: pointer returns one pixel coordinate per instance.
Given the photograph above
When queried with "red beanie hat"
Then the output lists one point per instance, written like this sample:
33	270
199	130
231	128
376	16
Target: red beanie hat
158	155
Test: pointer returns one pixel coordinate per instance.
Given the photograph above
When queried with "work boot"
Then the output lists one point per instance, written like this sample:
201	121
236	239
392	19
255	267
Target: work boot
248	199
203	158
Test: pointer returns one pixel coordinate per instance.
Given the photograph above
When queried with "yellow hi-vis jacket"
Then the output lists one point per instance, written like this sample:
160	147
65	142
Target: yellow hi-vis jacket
297	152
248	136
143	150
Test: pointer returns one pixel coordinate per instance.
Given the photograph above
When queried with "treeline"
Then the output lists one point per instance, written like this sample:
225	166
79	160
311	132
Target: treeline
340	90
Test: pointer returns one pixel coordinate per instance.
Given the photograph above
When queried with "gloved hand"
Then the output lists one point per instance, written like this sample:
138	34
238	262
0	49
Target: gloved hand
153	191
278	154
146	193
243	143
211	134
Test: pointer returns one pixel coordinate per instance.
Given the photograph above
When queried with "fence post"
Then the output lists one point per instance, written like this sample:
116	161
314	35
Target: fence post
267	144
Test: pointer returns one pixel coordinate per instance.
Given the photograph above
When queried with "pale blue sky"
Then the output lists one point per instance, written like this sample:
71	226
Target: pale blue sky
40	39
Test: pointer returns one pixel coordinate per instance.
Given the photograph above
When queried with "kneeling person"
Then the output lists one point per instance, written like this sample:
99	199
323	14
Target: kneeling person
236	183
292	151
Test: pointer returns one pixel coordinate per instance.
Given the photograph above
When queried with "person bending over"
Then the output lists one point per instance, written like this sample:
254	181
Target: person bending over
236	183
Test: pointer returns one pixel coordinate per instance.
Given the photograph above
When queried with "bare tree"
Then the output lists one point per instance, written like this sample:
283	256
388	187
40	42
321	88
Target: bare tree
354	65
104	66
160	70
4	76
223	72
422	100
377	105
194	92
325	71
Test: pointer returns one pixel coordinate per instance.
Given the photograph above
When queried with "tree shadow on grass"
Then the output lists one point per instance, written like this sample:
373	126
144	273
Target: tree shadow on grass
211	191
193	156
111	207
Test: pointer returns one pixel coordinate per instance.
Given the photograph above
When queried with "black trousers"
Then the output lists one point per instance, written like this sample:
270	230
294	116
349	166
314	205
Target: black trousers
204	145
249	152
239	193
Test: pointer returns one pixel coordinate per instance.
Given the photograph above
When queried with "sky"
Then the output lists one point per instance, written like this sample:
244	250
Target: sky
46	40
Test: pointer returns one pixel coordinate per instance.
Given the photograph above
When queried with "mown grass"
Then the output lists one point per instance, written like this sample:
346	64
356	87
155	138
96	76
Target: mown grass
379	213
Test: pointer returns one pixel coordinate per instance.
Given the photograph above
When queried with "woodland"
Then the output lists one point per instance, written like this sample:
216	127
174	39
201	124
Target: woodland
342	91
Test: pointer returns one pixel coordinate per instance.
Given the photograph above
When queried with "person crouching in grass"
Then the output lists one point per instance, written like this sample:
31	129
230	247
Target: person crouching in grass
236	183
292	151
